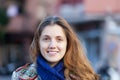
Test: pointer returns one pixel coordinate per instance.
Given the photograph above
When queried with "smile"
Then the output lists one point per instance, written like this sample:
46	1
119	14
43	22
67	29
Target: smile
52	52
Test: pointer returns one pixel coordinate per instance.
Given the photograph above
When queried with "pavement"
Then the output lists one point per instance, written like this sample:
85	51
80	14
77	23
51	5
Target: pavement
5	77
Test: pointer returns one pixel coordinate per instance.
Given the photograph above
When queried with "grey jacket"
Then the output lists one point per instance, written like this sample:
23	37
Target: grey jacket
26	72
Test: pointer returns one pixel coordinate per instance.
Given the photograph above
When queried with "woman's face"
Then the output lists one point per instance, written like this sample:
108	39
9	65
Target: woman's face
53	44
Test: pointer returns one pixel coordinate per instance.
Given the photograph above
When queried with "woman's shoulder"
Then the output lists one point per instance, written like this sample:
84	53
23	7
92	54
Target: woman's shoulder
26	72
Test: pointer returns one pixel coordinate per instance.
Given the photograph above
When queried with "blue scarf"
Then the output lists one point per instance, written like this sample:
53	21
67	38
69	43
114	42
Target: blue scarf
46	72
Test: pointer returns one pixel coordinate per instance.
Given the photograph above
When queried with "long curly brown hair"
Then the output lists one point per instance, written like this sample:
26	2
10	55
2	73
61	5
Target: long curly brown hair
75	60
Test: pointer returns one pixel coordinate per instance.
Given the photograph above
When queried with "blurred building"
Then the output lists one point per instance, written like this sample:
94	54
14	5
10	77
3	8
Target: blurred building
95	21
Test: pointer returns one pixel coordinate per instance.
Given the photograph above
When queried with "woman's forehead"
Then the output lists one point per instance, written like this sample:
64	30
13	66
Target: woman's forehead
53	30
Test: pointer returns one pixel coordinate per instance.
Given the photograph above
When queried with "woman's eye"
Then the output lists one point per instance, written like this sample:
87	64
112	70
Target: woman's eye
45	39
59	39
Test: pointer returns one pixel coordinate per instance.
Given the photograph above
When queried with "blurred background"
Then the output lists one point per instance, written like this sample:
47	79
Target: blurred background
97	23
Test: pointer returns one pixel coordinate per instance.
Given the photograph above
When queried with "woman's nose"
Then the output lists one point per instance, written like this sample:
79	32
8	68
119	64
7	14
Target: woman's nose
52	45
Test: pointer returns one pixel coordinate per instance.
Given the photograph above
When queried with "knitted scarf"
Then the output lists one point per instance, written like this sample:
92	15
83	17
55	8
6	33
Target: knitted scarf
46	72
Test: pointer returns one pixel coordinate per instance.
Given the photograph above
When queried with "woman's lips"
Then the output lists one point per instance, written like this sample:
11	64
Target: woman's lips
52	52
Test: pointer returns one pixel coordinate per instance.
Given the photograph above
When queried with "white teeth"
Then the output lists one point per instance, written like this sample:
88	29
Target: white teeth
52	53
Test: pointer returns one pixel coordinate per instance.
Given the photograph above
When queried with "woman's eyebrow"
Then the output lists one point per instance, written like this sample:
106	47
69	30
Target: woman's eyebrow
59	36
45	35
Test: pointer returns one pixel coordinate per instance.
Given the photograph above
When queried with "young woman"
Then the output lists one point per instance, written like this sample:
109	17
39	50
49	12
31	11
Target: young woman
57	54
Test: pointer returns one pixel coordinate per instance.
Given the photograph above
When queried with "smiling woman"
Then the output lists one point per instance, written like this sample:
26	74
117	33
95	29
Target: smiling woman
53	44
57	54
